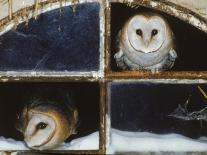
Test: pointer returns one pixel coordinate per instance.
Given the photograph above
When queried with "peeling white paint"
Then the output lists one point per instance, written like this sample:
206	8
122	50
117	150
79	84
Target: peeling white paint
102	39
93	74
6	153
4	80
173	9
7	28
198	6
153	4
165	81
108	129
192	19
108	117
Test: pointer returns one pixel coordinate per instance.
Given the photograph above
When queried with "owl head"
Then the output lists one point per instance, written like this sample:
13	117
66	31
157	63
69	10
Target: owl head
146	39
46	124
147	32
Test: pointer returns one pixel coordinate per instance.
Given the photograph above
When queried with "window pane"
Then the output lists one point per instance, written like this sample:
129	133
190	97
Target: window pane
54	42
153	114
82	96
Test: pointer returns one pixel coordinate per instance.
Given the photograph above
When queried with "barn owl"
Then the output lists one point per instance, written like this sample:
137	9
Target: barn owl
146	42
46	124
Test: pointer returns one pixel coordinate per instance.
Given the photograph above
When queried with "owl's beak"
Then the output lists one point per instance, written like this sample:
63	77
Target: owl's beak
147	42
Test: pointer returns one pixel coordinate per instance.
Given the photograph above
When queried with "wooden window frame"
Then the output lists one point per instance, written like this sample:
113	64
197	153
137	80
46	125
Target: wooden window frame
91	76
172	10
105	74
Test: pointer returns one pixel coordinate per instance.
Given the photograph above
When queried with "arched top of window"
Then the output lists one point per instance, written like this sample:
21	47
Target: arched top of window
194	14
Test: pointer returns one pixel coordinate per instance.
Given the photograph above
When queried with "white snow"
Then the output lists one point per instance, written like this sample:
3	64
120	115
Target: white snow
123	141
10	144
90	142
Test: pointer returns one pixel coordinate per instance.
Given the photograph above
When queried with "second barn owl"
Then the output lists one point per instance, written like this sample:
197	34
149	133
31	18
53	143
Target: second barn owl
45	124
146	42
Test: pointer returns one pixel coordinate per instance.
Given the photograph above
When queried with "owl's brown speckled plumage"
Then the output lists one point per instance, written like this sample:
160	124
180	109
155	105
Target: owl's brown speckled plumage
45	124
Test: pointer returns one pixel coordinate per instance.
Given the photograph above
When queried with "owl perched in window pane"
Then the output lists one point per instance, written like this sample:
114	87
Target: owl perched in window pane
45	124
146	42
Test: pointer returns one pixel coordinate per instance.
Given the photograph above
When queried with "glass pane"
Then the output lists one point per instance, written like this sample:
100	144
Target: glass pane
67	41
158	117
45	98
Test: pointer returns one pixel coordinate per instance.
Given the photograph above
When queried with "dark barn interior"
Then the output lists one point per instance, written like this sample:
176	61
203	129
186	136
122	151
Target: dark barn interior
190	42
14	96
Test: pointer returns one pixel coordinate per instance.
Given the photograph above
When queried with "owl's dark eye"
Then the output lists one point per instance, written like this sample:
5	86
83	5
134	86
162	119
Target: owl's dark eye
41	125
139	32
154	32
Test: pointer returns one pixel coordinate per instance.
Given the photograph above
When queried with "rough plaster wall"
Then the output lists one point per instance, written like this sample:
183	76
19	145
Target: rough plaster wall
3	10
17	4
198	6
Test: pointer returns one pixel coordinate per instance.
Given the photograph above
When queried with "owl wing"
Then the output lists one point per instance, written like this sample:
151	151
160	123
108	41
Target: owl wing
22	119
73	112
172	56
119	57
167	63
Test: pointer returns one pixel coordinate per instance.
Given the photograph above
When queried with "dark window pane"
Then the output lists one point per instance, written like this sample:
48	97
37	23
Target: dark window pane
54	42
146	107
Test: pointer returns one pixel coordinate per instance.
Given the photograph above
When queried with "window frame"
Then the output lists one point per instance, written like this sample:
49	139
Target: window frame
105	75
40	76
169	8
